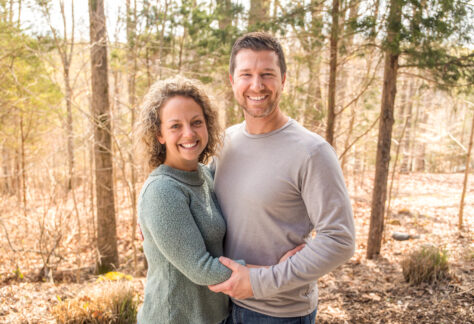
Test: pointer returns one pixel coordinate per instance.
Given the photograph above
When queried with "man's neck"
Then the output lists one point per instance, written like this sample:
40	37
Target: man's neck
266	124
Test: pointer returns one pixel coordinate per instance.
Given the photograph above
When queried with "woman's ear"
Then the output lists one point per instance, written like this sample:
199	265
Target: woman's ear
161	139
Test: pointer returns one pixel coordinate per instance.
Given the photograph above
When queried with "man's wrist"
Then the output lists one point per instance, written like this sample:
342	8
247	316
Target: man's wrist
255	282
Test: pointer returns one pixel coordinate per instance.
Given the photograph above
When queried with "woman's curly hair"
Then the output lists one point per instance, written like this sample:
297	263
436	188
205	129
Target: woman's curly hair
148	125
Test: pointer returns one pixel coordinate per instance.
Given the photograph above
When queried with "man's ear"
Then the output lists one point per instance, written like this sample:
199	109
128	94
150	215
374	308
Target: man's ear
283	80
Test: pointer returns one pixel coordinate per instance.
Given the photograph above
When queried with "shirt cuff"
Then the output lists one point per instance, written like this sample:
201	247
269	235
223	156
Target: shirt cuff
255	282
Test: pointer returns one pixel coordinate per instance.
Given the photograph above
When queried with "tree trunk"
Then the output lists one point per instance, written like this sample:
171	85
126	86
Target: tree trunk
23	172
259	12
314	111
419	164
394	169
406	140
466	175
348	138
385	132
314	102
106	228
67	59
347	42
223	11
69	129
65	53
162	37
132	71
332	73
6	168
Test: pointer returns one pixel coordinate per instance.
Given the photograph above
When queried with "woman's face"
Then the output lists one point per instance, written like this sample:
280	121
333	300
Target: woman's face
184	132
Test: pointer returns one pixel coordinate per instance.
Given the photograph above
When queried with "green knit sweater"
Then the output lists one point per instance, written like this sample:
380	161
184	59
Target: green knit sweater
183	233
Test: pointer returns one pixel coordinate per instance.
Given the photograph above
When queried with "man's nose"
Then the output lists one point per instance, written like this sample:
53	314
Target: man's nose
257	83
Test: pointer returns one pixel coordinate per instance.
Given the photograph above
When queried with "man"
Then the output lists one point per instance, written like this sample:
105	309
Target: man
276	181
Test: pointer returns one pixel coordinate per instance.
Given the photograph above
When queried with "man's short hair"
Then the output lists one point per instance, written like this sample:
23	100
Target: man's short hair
257	41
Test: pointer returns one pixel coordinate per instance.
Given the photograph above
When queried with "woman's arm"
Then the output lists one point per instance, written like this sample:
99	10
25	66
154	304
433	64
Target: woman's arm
167	222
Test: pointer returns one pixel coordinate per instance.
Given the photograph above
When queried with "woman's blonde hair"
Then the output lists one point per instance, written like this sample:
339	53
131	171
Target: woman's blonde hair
148	126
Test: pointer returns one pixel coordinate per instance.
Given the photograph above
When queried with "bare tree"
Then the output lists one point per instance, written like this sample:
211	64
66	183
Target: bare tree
65	48
132	71
332	72
106	228
385	132
466	175
259	12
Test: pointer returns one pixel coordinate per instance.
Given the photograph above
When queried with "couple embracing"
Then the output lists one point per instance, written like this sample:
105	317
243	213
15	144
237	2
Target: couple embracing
239	226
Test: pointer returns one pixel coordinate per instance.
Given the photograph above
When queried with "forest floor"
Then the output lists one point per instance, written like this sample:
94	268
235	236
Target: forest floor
361	291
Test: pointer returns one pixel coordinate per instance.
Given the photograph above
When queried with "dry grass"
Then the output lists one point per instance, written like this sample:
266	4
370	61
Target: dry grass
109	302
428	264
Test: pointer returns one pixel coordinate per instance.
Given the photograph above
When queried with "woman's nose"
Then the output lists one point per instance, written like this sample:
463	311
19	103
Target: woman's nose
188	131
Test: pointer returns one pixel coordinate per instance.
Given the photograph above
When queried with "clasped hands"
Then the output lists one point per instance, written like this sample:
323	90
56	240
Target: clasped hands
238	285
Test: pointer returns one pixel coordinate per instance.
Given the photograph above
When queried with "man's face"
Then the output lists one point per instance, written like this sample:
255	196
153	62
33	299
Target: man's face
257	82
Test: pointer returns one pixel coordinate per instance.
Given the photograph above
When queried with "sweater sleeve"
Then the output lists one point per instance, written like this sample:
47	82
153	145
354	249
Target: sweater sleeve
327	202
168	222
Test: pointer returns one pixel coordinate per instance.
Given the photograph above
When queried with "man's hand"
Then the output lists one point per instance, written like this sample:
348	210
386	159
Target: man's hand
238	285
291	253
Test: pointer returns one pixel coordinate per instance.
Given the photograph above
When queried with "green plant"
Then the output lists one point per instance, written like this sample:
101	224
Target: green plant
113	302
428	264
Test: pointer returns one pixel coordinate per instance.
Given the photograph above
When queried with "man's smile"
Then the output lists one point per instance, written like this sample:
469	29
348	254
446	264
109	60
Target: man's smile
257	98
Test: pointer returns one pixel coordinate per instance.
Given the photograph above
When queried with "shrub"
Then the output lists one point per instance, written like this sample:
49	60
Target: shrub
428	264
113	302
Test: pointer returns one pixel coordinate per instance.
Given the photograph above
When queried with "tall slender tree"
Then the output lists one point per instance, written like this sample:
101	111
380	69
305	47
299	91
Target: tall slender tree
332	72
259	13
65	47
419	30
132	67
106	228
466	173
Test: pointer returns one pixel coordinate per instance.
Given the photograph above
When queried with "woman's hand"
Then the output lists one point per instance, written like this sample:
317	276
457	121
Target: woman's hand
291	253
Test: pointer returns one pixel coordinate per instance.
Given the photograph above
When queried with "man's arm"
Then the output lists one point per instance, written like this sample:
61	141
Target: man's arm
238	285
328	205
327	202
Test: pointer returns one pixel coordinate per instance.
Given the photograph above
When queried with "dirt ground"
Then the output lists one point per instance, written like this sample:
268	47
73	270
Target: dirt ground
361	291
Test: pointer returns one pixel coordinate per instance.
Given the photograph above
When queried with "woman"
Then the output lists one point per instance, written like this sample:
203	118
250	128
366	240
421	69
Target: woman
179	216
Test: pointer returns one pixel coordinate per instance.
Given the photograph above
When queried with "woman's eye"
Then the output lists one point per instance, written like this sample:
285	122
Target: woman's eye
174	126
198	123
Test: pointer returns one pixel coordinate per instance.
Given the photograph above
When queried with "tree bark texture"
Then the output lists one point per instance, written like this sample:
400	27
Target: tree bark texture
259	12
132	71
466	176
405	166
389	91
332	73
106	228
69	128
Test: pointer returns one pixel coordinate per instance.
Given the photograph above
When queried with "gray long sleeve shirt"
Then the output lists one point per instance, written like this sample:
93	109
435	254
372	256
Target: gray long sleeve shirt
183	233
273	189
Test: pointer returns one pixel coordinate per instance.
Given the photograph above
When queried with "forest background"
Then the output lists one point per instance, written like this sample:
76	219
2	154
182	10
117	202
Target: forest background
387	83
